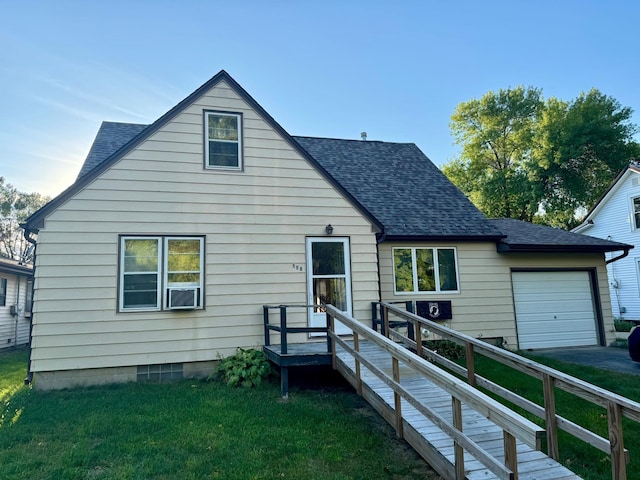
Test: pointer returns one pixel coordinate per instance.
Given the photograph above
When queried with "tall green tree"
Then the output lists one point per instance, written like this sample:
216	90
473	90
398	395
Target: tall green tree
496	133
580	147
15	207
535	160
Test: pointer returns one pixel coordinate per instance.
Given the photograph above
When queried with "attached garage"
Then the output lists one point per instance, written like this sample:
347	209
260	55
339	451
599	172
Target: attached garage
555	309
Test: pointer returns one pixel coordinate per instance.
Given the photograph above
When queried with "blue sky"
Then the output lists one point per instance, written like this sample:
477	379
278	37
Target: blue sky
395	69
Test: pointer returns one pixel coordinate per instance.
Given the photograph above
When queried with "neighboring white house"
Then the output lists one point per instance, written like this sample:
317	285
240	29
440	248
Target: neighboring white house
16	281
616	216
162	253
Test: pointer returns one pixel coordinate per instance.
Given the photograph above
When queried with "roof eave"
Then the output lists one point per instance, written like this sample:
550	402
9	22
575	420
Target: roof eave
524	248
16	270
443	238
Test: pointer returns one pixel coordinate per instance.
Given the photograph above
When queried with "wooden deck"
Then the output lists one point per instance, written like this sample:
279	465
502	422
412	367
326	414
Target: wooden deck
430	440
296	355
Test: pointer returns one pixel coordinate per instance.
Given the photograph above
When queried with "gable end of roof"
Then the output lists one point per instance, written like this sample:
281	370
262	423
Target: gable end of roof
86	176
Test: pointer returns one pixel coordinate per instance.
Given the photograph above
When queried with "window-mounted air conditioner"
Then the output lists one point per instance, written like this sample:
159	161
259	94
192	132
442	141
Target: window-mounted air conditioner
183	298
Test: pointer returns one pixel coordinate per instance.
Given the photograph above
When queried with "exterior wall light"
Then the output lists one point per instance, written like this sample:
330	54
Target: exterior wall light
328	229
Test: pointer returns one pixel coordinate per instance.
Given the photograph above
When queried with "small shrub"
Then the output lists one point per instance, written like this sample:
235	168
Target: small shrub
446	348
247	368
623	325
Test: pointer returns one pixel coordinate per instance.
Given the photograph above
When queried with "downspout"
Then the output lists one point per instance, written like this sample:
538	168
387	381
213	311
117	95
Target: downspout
27	235
17	310
619	257
379	239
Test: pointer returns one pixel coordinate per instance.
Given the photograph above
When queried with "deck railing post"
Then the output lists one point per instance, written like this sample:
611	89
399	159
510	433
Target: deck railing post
397	398
471	365
384	313
265	319
418	336
456	407
510	453
374	316
411	332
356	347
283	329
618	458
329	339
332	329
551	421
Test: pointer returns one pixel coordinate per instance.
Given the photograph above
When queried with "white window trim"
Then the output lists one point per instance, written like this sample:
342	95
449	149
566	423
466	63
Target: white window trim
121	275
436	271
207	139
162	272
632	215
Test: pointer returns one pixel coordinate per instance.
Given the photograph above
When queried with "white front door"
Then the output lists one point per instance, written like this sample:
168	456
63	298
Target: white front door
328	279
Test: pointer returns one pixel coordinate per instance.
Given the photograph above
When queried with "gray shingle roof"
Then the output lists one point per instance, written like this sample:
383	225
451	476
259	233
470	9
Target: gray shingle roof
109	139
401	187
394	185
528	237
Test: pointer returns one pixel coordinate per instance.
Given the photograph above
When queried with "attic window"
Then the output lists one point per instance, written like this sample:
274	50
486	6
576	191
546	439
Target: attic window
223	140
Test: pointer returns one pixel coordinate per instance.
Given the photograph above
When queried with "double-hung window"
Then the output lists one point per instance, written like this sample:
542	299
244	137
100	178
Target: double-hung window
425	270
3	292
223	140
635	205
161	273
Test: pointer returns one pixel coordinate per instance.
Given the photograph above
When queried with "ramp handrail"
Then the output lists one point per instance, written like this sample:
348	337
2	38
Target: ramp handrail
514	426
616	405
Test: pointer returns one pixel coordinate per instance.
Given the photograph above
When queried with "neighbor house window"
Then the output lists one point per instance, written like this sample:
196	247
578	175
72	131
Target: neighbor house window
160	273
223	138
636	212
28	303
3	292
425	270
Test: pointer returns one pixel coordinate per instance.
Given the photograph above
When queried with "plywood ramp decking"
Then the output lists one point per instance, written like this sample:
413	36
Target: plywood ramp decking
426	438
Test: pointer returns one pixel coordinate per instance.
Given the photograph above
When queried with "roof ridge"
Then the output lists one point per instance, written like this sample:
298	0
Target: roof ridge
353	140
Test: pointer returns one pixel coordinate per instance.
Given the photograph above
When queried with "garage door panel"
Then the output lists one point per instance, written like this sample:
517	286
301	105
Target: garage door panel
554	309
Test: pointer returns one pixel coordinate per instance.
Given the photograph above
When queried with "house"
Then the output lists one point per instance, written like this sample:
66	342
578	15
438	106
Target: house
16	282
616	216
159	258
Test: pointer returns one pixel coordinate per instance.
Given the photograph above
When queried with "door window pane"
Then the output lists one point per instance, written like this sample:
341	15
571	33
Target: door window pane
330	291
328	258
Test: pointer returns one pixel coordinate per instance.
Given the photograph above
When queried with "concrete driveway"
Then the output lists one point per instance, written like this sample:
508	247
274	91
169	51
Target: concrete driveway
608	358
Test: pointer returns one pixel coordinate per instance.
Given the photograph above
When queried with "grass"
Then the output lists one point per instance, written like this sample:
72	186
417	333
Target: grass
586	461
202	430
193	430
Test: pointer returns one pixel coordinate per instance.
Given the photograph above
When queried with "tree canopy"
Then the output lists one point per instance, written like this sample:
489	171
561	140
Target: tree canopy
15	207
538	160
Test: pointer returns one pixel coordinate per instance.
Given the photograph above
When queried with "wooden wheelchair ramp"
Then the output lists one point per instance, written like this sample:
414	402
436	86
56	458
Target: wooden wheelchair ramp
435	445
461	432
458	429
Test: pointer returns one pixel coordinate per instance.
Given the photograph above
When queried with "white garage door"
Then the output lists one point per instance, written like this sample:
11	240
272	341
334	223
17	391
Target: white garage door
554	309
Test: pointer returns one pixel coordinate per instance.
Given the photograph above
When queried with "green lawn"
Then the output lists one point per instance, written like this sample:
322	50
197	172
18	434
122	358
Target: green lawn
193	430
204	430
586	461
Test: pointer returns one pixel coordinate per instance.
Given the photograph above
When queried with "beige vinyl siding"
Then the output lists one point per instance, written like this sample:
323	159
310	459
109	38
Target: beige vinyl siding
14	330
484	307
255	223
